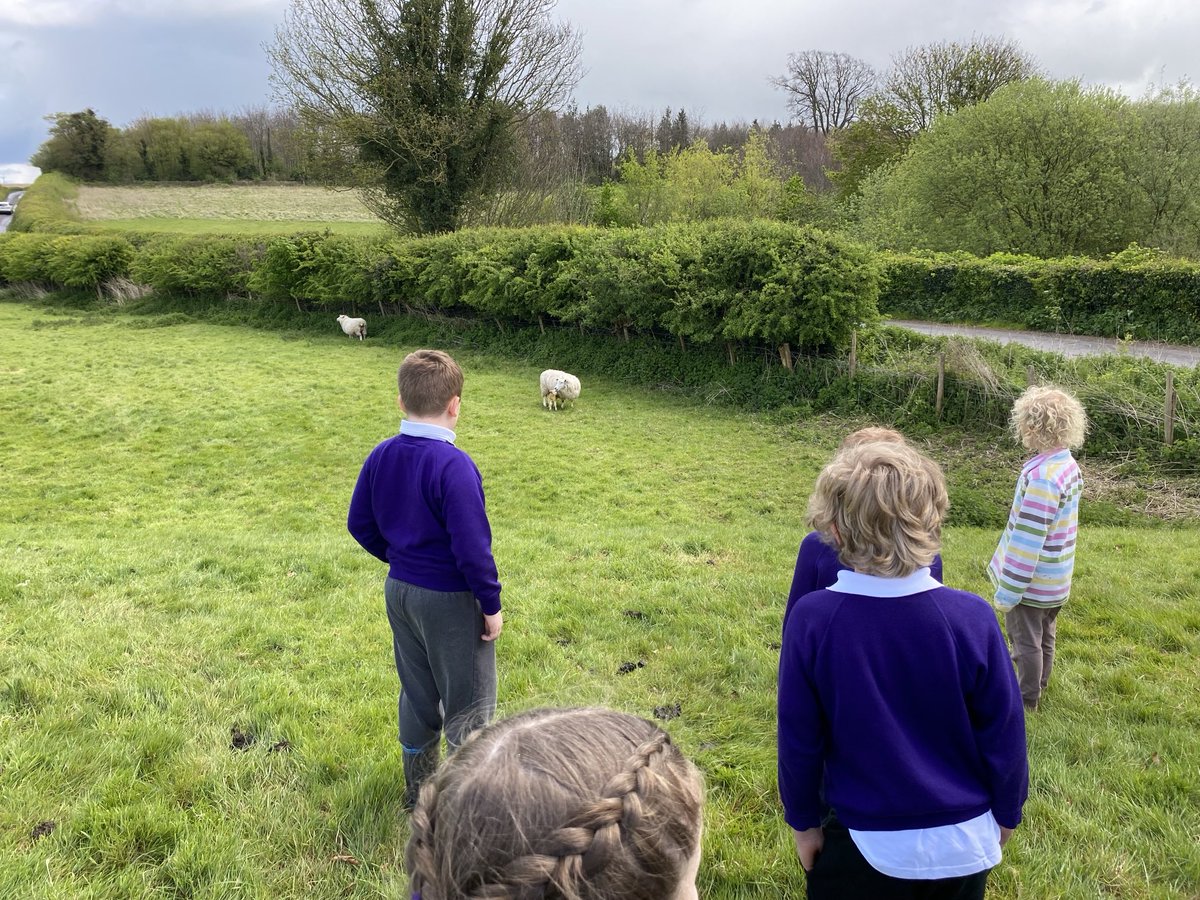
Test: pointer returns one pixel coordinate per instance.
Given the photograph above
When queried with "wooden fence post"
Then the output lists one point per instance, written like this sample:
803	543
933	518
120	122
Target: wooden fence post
785	356
941	384
682	345
1030	377
729	353
853	354
541	323
1169	411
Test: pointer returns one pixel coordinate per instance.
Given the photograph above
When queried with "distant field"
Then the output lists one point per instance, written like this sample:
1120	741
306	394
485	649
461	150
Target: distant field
273	208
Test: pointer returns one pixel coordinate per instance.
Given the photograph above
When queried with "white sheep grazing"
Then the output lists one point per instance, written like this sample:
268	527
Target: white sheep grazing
353	327
557	388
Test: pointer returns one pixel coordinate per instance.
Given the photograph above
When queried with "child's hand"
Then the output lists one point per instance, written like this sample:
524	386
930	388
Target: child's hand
492	626
1005	834
809	844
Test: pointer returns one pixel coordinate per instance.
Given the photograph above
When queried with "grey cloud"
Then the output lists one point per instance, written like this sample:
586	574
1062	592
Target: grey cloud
711	57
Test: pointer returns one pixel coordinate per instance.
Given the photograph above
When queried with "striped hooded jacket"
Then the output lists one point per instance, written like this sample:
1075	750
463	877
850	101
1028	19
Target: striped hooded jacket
1036	555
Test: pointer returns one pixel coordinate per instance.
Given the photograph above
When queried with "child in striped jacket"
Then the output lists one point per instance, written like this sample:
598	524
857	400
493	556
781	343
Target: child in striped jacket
1032	566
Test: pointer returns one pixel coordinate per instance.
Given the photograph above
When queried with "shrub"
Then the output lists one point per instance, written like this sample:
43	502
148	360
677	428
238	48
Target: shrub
86	261
1138	293
198	266
26	258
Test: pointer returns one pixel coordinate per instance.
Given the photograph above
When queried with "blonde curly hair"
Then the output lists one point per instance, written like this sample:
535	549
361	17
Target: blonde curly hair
560	804
881	505
1046	417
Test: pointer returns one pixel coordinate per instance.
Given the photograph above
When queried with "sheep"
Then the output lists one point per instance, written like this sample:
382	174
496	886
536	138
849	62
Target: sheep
557	388
353	327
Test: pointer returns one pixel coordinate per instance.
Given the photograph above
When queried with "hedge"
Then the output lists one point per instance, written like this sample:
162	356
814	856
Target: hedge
1137	293
767	281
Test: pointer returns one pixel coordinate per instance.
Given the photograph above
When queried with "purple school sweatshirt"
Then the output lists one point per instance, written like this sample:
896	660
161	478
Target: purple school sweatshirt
418	506
907	706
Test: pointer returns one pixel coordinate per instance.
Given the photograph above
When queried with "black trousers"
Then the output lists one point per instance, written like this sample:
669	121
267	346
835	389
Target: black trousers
841	872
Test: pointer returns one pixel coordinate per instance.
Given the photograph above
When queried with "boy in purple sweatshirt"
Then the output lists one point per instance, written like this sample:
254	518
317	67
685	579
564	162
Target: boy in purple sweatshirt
418	506
897	694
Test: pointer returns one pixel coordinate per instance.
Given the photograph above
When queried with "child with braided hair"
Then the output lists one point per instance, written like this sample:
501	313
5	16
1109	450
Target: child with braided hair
559	804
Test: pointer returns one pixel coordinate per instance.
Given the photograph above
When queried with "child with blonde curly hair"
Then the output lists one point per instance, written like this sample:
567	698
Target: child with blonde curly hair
817	563
1033	564
897	697
560	804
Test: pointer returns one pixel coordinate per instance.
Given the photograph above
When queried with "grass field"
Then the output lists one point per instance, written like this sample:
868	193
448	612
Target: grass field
226	208
197	696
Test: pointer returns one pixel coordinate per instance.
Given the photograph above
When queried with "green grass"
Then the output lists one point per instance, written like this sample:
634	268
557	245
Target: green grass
240	226
225	209
174	565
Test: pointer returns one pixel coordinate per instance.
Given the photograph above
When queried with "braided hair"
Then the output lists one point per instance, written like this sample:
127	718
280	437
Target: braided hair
558	804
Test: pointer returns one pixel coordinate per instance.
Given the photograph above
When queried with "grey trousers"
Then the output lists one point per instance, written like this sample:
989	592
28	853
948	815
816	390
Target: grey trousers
447	672
1031	631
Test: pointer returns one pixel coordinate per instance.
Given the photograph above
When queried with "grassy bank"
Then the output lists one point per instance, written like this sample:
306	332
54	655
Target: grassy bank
195	677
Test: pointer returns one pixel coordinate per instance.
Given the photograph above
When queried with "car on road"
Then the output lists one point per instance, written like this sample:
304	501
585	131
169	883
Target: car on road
6	208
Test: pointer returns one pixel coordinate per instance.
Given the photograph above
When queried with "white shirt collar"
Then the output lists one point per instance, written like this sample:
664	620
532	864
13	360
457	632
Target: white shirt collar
426	430
849	582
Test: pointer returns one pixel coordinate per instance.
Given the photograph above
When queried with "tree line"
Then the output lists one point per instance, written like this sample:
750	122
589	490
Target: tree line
453	113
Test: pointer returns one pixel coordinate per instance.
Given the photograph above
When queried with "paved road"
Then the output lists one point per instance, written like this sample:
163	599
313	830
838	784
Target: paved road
12	198
1066	344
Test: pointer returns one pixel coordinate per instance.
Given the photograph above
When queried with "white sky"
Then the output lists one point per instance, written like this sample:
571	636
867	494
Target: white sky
127	58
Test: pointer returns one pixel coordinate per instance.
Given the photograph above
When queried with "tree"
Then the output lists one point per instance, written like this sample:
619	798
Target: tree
825	89
1037	168
425	93
928	81
163	149
664	134
76	146
924	83
220	152
880	135
1163	166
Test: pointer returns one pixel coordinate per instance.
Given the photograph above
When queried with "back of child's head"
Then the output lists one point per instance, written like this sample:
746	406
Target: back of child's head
429	380
1046	417
577	804
882	506
874	434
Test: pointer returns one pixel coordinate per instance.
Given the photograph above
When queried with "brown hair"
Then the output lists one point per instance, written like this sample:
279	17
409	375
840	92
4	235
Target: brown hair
1047	417
886	502
428	381
870	435
562	804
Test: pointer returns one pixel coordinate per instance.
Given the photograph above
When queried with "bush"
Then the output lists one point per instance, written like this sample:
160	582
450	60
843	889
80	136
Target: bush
1136	293
26	257
214	266
320	267
87	261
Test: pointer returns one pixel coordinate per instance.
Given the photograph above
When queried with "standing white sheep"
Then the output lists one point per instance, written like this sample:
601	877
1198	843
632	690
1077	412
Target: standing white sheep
557	388
353	327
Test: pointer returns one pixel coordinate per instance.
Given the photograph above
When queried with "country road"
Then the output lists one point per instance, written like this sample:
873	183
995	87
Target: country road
11	198
1066	344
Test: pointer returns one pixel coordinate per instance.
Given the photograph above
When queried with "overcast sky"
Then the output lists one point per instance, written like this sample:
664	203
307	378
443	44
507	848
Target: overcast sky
128	58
